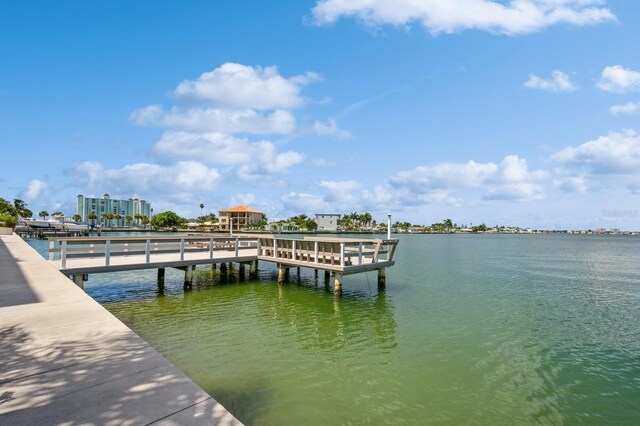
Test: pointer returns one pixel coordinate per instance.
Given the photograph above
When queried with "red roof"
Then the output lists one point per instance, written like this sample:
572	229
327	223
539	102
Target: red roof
240	209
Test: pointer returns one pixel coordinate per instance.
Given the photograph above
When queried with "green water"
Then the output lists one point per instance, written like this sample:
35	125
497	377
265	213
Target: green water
472	329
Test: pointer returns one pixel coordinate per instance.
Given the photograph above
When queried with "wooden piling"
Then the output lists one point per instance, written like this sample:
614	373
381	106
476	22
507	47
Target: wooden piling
281	273
337	284
382	278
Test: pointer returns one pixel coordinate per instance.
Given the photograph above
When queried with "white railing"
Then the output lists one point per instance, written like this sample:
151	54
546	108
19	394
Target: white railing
342	252
147	248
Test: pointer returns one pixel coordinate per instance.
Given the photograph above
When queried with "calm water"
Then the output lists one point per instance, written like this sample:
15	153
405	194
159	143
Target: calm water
472	329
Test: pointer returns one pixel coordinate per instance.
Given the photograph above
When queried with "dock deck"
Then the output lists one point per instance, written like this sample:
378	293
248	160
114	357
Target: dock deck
67	360
345	256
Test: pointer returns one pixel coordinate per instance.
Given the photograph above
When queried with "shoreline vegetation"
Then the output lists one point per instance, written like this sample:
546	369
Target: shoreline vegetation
350	223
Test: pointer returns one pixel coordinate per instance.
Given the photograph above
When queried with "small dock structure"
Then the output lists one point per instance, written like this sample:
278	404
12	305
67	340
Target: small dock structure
79	257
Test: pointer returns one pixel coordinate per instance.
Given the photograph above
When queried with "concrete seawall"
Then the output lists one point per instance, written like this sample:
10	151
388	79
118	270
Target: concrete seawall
64	359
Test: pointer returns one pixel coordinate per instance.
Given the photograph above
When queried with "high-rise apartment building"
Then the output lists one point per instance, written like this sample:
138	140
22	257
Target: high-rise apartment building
106	204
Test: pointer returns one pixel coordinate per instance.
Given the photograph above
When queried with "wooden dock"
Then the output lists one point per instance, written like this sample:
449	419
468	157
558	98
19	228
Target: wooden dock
78	257
66	360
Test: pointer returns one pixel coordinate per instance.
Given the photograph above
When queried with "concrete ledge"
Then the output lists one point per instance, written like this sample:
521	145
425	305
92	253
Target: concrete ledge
67	360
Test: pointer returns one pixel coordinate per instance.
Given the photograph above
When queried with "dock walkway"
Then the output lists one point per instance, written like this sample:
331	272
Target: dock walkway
64	359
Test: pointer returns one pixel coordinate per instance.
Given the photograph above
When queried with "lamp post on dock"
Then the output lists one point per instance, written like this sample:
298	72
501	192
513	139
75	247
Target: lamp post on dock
388	226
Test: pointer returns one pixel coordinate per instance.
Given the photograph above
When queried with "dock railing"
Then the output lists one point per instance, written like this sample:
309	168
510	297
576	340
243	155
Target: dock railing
341	254
64	249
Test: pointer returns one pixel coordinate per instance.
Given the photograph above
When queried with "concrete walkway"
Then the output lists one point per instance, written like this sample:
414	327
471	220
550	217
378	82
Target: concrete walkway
64	359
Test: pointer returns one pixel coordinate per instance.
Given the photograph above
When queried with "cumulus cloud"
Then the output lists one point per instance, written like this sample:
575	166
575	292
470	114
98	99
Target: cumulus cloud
618	79
451	16
572	184
618	153
255	158
148	179
559	82
510	179
330	128
35	189
215	120
244	87
628	108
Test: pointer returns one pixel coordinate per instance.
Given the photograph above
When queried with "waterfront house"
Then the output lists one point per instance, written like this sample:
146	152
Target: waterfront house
241	216
327	222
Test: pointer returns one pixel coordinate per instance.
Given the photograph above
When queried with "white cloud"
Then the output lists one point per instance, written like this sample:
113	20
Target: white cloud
240	86
450	16
253	158
35	189
572	184
510	179
215	120
628	108
616	153
618	79
148	179
304	203
330	128
242	199
559	82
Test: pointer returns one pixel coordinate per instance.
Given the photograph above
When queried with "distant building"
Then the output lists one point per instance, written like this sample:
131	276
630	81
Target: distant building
101	206
327	222
241	215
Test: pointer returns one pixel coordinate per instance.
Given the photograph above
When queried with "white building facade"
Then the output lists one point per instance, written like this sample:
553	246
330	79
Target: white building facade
327	222
106	204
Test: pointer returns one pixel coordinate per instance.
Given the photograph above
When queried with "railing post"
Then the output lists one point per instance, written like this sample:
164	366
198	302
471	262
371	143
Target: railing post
259	246
63	255
293	250
52	245
275	248
107	253
235	246
181	249
148	251
210	248
342	254
360	253
315	252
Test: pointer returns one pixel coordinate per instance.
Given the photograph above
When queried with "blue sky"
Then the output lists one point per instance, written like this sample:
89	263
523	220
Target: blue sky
513	112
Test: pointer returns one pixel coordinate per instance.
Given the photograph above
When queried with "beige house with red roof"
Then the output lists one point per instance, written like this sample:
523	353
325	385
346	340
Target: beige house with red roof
241	215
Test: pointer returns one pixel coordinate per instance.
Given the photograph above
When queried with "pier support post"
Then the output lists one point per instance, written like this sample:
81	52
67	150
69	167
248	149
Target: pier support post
79	281
337	284
382	278
188	277
223	268
253	270
281	273
241	272
327	275
213	266
161	280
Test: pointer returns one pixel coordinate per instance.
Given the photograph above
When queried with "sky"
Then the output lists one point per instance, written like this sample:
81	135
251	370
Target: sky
523	112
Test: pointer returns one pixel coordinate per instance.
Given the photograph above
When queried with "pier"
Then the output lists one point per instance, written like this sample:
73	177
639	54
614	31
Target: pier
339	257
67	360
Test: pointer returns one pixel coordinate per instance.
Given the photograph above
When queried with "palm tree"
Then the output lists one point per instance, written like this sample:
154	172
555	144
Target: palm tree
145	220
57	214
107	217
366	218
43	214
128	219
21	208
138	217
201	209
92	216
117	217
76	218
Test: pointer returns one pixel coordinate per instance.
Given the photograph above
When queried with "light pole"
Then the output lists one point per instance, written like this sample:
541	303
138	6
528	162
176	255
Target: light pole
388	226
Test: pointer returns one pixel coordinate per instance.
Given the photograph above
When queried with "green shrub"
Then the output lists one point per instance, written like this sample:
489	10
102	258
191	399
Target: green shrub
7	220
